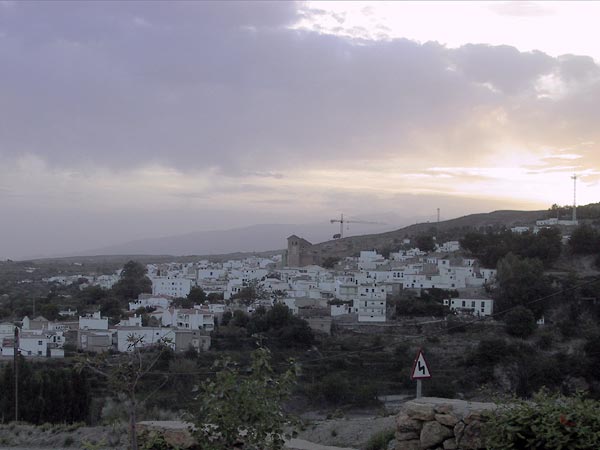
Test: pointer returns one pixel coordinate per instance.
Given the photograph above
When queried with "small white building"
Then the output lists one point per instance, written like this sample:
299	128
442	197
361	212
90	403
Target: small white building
189	319
171	286
93	322
370	310
149	301
475	306
147	337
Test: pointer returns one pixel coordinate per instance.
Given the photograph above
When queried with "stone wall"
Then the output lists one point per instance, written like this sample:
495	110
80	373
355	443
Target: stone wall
431	423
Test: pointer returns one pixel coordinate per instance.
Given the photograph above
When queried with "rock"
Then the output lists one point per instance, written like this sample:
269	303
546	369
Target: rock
420	411
459	429
406	436
447	419
405	423
474	416
392	444
450	444
471	438
409	445
444	408
434	433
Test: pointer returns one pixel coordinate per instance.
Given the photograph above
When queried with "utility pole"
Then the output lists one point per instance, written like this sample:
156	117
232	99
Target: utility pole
16	372
574	178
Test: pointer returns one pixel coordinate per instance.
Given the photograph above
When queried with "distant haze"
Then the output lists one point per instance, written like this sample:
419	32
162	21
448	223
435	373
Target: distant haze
123	122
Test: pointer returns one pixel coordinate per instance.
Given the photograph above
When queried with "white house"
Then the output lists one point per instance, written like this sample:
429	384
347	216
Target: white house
148	336
93	322
449	247
370	310
149	301
474	306
171	286
189	319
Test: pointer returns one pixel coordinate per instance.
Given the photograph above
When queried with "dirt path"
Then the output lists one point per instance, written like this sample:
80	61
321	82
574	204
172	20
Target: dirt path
301	444
349	433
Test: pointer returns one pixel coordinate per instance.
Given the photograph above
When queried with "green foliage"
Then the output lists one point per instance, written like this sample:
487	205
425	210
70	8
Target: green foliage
339	389
240	318
519	281
133	281
380	441
592	351
46	394
520	322
227	316
585	240
197	295
488	353
329	262
428	304
490	248
550	422
250	293
234	408
282	326
425	243
154	441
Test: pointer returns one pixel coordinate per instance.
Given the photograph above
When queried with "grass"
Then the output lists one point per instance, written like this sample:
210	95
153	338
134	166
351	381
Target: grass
380	441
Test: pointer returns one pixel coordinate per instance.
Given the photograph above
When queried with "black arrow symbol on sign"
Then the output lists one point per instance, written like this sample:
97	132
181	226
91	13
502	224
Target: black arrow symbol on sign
420	367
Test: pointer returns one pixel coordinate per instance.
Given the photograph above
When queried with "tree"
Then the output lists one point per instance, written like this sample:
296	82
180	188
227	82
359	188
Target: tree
425	243
236	409
521	281
584	240
520	322
126	378
133	281
197	295
329	262
250	293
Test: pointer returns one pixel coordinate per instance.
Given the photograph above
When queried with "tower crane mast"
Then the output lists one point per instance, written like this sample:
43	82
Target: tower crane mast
342	221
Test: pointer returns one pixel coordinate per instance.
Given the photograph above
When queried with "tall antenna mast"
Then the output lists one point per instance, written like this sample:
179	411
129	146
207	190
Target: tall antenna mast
574	178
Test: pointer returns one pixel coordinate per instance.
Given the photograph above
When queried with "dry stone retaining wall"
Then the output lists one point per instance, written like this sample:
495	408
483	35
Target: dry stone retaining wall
431	423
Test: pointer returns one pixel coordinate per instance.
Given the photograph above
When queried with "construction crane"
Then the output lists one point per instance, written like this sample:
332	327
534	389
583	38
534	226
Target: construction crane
342	221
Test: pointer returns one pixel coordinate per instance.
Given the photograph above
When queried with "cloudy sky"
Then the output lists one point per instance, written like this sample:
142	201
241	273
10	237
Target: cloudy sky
132	120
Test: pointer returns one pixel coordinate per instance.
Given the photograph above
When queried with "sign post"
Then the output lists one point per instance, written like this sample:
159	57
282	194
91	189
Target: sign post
420	371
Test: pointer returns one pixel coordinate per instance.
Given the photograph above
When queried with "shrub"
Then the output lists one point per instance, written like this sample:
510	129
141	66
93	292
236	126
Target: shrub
380	441
520	322
550	422
68	441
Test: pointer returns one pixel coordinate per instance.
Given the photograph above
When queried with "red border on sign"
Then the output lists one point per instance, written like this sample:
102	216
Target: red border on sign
412	372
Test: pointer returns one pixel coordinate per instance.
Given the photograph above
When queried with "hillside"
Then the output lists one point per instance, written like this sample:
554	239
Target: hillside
449	228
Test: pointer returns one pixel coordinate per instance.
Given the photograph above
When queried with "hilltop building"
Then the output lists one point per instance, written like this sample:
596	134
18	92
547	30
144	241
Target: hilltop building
301	253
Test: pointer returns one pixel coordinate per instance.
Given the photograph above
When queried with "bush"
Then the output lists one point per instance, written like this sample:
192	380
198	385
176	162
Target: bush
520	322
380	441
549	422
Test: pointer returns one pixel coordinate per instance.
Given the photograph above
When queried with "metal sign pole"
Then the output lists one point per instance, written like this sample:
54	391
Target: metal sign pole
419	387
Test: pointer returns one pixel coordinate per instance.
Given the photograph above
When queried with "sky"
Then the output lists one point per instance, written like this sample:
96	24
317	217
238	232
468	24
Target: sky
130	120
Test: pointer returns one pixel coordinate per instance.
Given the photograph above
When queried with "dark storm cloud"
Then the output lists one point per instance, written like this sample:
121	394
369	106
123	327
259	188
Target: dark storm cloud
228	85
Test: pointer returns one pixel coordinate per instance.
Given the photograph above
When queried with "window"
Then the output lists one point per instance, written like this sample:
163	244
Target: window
39	353
39	342
463	303
482	305
473	304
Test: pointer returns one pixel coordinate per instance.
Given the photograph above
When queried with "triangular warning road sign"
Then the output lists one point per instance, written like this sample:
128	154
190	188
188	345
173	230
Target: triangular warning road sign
420	368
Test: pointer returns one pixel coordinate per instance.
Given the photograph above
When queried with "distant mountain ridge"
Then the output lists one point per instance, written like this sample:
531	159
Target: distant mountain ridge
270	237
251	239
